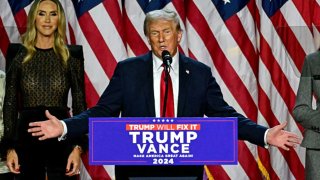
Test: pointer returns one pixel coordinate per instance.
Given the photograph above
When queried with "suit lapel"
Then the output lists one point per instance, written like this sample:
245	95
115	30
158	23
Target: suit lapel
183	81
148	84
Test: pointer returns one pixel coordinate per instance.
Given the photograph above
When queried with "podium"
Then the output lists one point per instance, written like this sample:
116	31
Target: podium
162	148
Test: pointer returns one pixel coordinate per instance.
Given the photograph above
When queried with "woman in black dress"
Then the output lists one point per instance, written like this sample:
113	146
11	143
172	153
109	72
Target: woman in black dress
39	79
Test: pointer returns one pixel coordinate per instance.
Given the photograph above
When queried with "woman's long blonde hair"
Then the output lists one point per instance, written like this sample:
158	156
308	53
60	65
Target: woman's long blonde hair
29	37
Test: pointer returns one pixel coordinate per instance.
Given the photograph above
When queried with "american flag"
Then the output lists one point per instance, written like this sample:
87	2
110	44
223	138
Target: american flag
255	49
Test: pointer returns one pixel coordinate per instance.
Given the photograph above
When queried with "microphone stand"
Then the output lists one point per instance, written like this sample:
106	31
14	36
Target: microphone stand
166	78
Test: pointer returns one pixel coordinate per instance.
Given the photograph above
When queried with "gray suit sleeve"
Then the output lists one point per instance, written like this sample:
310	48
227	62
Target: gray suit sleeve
303	112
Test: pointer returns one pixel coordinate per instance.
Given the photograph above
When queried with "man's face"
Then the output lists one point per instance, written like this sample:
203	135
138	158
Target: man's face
163	35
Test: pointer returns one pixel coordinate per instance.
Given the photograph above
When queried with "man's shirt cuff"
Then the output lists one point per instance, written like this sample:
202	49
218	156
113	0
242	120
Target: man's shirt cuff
64	133
266	145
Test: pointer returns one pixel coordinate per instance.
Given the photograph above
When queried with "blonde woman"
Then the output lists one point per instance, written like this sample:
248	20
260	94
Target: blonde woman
39	79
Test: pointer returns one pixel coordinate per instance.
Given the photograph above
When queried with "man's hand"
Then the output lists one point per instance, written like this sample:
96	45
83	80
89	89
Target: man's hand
46	129
281	138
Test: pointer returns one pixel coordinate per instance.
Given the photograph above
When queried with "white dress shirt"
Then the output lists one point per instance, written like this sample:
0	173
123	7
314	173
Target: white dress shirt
174	74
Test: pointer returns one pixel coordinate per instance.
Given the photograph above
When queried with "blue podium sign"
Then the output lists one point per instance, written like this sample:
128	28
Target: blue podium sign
163	141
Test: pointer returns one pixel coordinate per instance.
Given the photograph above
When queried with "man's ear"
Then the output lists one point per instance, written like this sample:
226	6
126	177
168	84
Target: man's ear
179	36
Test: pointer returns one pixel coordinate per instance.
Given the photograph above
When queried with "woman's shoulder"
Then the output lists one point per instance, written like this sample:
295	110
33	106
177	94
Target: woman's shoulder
15	53
76	51
14	49
15	46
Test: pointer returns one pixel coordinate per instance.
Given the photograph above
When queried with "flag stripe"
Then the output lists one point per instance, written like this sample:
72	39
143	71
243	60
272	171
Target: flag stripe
286	92
277	77
100	49
90	90
303	7
4	38
299	26
114	11
21	20
218	172
96	172
71	35
134	38
243	41
264	156
245	159
110	36
288	38
179	6
223	67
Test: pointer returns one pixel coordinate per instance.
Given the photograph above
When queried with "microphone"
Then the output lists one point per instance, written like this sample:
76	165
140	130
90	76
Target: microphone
166	58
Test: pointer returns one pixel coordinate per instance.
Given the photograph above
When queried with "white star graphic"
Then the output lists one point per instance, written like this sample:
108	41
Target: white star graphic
226	1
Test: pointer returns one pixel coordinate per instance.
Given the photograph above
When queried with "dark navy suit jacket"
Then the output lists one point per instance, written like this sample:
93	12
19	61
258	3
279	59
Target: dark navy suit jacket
130	92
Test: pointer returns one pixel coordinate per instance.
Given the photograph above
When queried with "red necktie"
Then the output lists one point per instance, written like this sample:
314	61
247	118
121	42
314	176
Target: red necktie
170	102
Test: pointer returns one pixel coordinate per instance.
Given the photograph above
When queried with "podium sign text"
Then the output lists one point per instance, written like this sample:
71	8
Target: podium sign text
163	141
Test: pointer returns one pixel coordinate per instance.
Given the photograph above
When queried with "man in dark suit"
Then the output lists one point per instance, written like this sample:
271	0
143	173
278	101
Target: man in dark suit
134	92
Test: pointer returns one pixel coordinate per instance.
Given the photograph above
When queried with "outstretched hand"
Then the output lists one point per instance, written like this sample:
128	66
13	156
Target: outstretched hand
281	138
46	129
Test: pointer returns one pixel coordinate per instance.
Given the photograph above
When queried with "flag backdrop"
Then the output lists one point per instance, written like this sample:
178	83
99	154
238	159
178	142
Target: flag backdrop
255	49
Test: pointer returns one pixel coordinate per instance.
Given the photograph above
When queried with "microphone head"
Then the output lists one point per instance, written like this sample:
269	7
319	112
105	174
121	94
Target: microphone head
166	57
